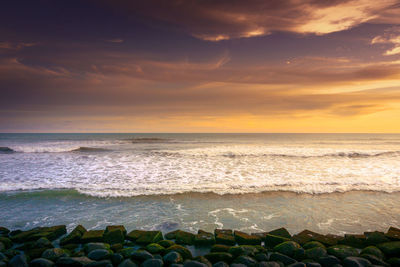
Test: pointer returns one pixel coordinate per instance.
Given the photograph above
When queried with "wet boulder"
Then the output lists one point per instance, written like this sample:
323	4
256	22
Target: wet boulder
287	248
215	257
172	257
114	236
74	237
99	254
246	239
390	249
186	254
225	239
41	262
342	251
186	238
356	262
204	238
273	240
155	248
93	236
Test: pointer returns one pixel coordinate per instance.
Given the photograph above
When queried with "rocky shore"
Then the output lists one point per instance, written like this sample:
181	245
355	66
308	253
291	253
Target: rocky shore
114	246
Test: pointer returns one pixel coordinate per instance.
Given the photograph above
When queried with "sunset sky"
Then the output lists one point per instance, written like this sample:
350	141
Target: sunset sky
200	66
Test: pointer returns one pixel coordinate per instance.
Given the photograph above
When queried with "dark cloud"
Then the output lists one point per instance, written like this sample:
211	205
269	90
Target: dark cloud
227	19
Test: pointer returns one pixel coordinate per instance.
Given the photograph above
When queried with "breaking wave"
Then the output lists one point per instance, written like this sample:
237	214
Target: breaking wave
338	155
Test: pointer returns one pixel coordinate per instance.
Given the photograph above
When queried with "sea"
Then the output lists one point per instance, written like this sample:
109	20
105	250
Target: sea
328	183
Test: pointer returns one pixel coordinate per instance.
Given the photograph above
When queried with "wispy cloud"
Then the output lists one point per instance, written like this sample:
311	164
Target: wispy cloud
390	36
227	19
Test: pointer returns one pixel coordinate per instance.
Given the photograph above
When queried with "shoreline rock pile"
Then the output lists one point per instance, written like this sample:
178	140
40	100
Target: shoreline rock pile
114	246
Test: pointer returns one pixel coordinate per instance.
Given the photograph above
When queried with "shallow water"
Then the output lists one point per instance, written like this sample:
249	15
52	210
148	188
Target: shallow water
336	183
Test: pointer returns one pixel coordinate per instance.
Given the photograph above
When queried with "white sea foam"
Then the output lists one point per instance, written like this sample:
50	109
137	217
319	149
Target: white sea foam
126	169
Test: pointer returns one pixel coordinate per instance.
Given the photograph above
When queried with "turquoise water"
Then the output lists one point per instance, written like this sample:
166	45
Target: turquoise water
336	183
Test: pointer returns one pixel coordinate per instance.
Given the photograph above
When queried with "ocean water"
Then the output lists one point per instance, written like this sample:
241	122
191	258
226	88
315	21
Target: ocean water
330	183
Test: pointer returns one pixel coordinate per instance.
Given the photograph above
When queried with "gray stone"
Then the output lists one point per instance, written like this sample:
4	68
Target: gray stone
268	264
276	256
356	262
127	263
246	260
328	261
41	262
73	261
152	263
18	261
141	255
220	264
102	263
172	257
99	254
297	264
54	254
116	258
194	264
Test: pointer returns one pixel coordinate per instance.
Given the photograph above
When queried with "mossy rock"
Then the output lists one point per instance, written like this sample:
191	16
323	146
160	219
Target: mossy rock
73	261
95	245
4	230
166	243
43	243
287	248
357	241
203	260
135	234
245	260
279	257
220	248
6	241
93	236
273	240
374	260
172	258
225	239
307	236
315	253
117	247
75	236
114	236
186	254
204	238
215	257
182	237
246	250
223	231
149	237
145	237
390	249
127	252
171	235
50	233
54	254
110	228
342	251
246	239
393	234
313	244
155	248
282	232
34	253
375	238
372	250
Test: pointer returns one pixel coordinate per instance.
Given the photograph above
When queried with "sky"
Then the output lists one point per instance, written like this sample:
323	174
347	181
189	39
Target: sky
200	66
